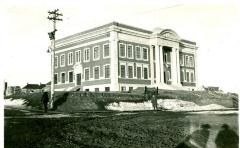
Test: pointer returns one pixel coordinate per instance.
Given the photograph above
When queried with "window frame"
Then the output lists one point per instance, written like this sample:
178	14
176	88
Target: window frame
69	76
62	78
85	74
84	57
137	72
121	70
104	51
70	60
56	66
98	58
55	74
132	57
104	73
98	72
143	53
120	50
64	62
139	53
130	65
78	60
145	66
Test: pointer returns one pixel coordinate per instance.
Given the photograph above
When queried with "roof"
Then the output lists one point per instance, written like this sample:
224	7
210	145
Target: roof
34	86
105	26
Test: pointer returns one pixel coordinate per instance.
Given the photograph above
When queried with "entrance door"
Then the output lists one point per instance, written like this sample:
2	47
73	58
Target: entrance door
78	78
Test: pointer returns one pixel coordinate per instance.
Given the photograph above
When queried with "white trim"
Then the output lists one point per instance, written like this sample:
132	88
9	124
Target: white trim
130	45
84	55
85	73
62	65
69	76
104	71
119	49
80	58
64	78
143	53
104	57
81	45
94	72
70	58
95	59
56	66
136	53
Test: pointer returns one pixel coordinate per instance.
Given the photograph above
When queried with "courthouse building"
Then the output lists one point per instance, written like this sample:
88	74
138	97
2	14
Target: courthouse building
119	57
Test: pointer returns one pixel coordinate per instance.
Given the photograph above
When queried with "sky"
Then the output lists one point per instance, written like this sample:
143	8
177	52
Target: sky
213	25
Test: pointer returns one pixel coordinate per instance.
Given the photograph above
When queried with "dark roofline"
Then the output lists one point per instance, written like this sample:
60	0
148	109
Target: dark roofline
104	26
187	41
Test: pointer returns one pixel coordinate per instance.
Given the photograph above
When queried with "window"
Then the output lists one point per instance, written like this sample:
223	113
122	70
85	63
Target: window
123	88
106	50
130	71
96	89
168	57
96	72
107	71
70	76
78	56
181	59
96	53
182	75
169	75
62	60
86	73
130	51
70	58
186	60
56	61
107	89
130	89
138	52
187	76
192	77
191	61
122	50
63	77
86	55
139	72
154	69
122	67
55	78
145	53
153	52
145	73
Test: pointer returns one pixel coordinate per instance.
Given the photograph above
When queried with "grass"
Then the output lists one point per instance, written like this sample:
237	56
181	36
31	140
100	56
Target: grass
78	101
148	129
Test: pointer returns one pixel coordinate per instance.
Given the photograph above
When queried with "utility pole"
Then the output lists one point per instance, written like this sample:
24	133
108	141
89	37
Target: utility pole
53	16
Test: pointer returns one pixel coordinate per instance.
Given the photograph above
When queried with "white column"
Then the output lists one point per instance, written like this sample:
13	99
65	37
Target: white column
196	67
173	67
158	65
114	60
178	67
160	48
151	64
